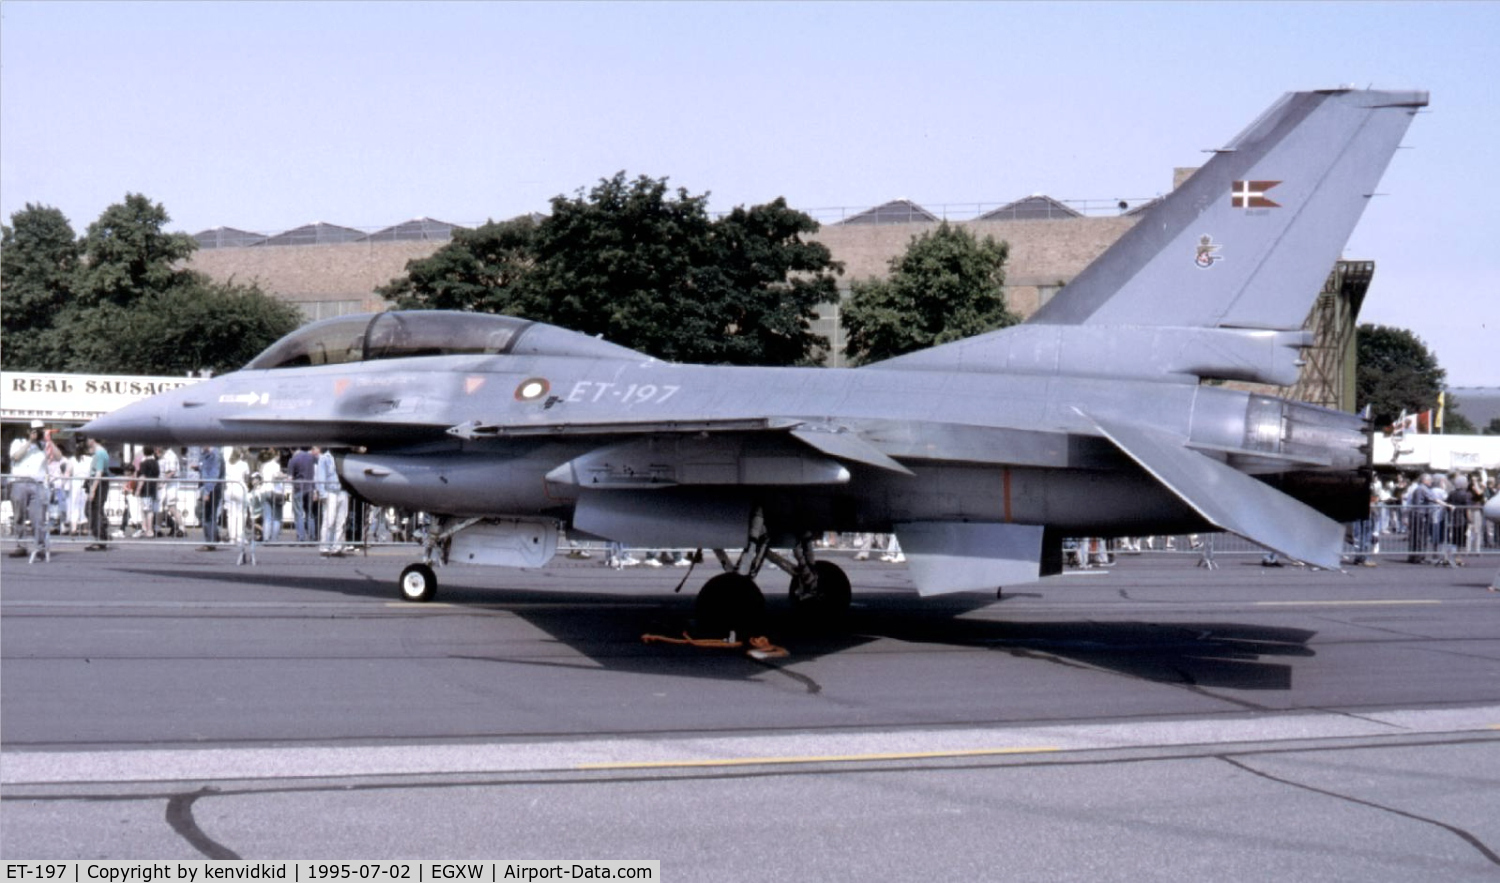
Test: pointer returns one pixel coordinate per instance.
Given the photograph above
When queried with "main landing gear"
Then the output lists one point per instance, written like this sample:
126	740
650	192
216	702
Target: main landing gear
731	602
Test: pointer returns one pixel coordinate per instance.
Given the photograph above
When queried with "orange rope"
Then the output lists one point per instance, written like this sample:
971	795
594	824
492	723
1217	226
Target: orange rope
716	643
760	647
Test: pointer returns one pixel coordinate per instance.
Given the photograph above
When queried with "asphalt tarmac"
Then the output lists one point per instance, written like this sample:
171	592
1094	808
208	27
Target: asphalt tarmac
1149	721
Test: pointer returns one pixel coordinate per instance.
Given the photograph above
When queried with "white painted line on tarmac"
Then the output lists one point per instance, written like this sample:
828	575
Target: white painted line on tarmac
524	605
816	758
21	767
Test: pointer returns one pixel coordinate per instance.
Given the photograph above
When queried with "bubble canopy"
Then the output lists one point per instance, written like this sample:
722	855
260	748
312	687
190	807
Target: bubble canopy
394	335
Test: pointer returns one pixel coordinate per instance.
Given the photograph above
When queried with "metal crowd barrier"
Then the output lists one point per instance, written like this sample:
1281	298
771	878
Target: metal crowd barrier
1421	534
179	510
266	516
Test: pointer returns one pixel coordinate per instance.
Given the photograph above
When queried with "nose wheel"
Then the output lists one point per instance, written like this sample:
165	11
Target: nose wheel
418	583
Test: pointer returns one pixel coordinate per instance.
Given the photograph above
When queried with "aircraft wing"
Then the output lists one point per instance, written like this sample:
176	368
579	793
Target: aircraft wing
1230	499
658	453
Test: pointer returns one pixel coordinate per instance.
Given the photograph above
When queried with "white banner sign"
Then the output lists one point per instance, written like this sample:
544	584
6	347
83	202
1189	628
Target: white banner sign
75	397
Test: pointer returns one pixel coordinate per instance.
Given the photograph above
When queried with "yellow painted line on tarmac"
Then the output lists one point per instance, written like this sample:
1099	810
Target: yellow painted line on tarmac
1345	603
814	758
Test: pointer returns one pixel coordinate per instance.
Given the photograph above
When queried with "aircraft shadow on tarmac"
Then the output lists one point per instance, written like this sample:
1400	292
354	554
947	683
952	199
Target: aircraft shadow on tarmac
606	629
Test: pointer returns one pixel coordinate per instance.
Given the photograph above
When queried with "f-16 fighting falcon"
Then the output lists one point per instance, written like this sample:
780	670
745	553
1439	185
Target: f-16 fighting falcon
1092	418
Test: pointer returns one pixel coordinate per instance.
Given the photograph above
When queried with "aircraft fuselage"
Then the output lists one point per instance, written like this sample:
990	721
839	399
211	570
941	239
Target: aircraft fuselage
981	446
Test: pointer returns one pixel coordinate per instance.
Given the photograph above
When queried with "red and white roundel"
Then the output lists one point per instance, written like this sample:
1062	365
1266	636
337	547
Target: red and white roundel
531	389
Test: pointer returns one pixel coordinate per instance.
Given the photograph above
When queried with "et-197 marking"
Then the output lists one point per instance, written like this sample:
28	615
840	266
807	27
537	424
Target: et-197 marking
35	870
634	394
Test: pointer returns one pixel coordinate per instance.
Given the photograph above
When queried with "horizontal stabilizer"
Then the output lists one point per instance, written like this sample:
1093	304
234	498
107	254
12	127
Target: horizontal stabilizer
967	556
1230	499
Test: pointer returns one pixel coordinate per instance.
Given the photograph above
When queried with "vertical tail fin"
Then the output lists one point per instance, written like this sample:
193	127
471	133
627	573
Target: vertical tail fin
1247	241
1217	278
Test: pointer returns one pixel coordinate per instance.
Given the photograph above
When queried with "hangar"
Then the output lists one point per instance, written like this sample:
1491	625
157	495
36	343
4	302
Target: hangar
330	270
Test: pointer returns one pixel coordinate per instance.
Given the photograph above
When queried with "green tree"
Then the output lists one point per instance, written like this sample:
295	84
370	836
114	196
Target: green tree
1493	427
766	282
947	285
127	306
620	263
487	270
127	254
38	260
1396	372
646	268
196	325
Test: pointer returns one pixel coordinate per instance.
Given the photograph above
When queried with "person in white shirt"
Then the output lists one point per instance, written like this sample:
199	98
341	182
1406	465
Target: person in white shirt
236	492
59	484
170	465
28	487
272	496
78	492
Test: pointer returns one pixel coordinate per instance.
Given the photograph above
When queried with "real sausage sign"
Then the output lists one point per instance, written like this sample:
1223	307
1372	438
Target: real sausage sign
72	398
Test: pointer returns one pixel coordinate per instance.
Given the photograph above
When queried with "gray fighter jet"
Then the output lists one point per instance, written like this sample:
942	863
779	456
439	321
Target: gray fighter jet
1093	418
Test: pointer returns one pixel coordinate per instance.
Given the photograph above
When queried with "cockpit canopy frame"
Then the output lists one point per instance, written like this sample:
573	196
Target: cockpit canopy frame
369	337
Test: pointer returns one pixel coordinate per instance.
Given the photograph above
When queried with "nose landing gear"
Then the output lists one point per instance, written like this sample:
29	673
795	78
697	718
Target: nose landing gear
418	583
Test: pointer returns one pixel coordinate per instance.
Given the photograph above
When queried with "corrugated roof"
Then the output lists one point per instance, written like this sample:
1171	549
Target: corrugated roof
415	230
314	234
227	237
1033	208
897	211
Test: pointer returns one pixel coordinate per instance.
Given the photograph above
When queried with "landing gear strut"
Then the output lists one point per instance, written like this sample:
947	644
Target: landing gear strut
731	602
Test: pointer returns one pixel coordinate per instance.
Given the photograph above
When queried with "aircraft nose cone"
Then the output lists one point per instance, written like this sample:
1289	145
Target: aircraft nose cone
140	422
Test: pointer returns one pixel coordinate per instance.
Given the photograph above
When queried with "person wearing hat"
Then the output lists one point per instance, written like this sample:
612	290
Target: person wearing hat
28	488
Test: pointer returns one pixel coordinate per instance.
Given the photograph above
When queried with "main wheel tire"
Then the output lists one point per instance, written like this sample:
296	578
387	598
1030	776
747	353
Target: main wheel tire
829	602
418	583
730	603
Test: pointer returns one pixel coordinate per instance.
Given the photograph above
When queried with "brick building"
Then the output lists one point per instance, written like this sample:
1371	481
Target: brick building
329	270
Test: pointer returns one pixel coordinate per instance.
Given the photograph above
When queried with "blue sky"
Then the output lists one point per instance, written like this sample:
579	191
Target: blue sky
266	116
